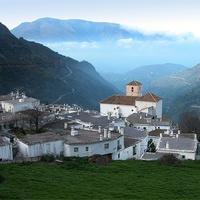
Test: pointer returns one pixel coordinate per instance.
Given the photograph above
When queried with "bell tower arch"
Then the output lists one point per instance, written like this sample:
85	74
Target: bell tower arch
134	88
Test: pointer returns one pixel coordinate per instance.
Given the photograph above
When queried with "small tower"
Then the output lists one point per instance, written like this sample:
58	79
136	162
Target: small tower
134	88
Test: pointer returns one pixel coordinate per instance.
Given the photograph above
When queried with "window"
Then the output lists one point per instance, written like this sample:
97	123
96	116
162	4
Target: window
183	156
118	145
118	155
132	89
86	148
106	146
134	150
75	149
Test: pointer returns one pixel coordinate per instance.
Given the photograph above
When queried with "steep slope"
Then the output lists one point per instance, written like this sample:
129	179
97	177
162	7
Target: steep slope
56	30
144	74
47	75
180	91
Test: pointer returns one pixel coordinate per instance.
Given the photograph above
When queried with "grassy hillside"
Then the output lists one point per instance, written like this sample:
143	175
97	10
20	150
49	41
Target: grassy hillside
118	180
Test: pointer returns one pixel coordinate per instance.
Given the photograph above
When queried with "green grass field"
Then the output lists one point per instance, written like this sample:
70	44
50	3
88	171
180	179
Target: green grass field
118	180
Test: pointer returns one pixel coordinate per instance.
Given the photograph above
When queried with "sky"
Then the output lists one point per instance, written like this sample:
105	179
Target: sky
176	16
180	17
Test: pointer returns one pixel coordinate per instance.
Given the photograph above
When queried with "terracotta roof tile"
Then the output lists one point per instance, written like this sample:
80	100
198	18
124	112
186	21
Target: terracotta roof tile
150	97
121	100
134	83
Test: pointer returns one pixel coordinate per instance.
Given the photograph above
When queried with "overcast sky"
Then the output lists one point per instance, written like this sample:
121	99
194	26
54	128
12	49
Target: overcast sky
177	16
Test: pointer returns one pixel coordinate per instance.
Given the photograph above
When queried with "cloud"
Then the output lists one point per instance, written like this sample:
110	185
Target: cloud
73	45
126	43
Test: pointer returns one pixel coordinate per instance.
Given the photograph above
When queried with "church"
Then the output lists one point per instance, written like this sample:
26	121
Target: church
132	102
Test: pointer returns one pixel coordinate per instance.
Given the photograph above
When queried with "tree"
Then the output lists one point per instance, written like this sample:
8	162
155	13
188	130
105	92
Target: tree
151	146
34	116
189	122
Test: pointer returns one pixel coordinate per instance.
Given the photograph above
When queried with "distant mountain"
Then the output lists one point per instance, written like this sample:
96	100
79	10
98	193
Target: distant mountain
180	91
144	74
44	74
56	30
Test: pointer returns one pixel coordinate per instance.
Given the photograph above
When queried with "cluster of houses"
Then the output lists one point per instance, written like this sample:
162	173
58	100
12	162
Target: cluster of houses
127	127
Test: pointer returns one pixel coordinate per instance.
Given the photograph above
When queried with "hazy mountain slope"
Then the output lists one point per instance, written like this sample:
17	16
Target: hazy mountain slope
180	91
56	30
143	74
45	74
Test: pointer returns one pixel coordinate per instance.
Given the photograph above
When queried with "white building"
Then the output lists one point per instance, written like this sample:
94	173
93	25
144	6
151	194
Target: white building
5	149
135	142
33	146
133	102
19	104
144	121
72	143
185	145
87	143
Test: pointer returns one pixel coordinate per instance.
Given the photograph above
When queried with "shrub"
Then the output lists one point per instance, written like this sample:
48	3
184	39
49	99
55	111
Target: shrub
99	159
1	178
47	158
169	159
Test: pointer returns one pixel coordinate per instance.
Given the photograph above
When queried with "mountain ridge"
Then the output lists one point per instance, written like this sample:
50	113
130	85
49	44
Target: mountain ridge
42	73
57	30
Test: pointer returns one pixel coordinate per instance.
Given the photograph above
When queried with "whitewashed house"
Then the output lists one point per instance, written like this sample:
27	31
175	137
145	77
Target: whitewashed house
144	121
92	120
185	145
79	143
133	102
87	143
34	146
19	104
5	149
135	143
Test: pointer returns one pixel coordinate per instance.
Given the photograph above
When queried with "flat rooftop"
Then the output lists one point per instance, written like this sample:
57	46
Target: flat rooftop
83	137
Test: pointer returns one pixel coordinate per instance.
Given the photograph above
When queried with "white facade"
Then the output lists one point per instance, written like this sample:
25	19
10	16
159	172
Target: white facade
40	148
17	105
145	106
104	147
135	144
117	110
183	146
79	143
5	150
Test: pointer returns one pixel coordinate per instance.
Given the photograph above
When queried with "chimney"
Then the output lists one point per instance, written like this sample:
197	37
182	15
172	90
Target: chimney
101	137
160	135
179	132
109	134
119	129
73	132
99	130
122	131
65	125
105	133
167	145
177	135
171	133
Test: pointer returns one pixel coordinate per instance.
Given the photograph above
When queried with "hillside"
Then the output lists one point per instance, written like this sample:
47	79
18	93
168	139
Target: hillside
56	30
46	75
78	179
144	74
180	90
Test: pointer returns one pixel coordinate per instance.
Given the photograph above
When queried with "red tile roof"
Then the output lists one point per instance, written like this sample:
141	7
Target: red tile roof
121	100
134	83
150	97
